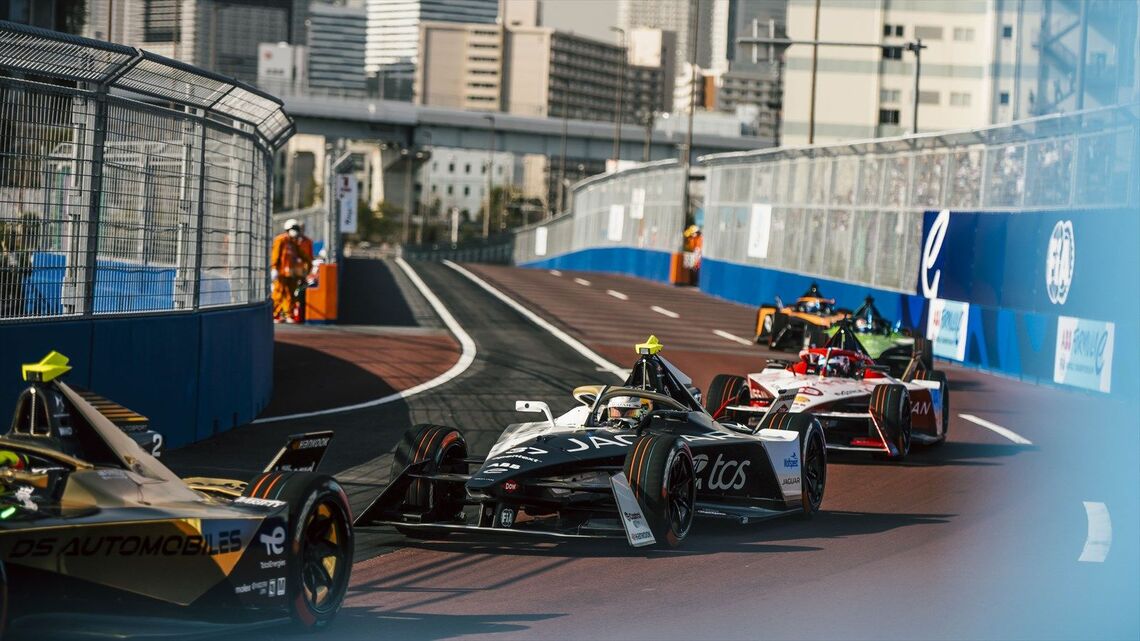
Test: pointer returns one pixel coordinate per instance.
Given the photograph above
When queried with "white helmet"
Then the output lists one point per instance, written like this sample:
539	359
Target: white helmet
626	407
291	223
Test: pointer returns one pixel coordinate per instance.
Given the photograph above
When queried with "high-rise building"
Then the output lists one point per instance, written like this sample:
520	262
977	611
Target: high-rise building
219	35
984	63
337	43
536	71
674	16
394	36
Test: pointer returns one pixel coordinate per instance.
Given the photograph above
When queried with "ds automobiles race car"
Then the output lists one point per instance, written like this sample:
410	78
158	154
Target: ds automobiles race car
639	460
858	403
97	536
888	344
802	324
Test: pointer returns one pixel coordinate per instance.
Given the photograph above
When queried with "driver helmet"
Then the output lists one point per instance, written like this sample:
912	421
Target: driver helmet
627	407
811	305
14	460
838	365
862	324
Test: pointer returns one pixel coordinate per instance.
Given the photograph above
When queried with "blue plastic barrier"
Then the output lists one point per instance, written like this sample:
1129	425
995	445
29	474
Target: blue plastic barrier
643	263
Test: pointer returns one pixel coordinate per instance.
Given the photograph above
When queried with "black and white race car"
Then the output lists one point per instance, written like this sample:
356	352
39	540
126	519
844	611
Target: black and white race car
639	460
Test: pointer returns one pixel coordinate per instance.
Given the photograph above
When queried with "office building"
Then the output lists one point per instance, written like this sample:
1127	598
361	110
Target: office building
985	63
337	44
393	36
673	16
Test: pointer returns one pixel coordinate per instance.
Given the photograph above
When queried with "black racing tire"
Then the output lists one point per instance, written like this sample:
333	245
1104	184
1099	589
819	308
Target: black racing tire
890	408
944	390
660	471
779	322
320	543
436	501
924	351
764	329
725	390
813	455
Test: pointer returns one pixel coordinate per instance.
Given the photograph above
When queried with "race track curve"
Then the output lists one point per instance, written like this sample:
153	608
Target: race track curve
977	538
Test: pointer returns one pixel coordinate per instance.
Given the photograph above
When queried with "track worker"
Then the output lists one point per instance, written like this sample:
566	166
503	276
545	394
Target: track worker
291	259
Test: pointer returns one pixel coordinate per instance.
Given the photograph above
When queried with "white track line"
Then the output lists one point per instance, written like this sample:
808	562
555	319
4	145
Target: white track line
466	357
617	295
537	320
555	272
665	312
732	337
582	281
994	427
1099	538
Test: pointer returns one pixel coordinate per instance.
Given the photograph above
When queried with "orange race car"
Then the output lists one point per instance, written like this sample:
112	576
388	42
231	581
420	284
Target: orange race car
801	324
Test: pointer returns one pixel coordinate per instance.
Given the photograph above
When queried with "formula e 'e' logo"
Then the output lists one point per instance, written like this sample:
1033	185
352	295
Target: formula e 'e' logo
930	253
274	543
1060	259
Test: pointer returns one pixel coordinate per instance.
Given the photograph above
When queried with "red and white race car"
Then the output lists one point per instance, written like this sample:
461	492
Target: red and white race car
860	405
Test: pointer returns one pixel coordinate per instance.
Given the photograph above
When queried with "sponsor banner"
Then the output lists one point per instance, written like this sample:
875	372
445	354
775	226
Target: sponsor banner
1050	262
1084	353
759	231
617	220
346	197
946	328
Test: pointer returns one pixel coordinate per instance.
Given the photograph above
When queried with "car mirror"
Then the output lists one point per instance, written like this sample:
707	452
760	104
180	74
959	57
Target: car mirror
536	407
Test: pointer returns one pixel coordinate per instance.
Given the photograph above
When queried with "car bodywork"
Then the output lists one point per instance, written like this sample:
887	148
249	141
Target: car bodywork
887	343
109	536
801	324
841	399
563	476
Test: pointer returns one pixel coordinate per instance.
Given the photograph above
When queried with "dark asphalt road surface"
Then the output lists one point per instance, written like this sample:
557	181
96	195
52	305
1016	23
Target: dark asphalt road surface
978	538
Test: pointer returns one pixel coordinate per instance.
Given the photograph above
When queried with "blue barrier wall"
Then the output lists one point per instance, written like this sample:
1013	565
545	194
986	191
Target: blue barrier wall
643	263
192	374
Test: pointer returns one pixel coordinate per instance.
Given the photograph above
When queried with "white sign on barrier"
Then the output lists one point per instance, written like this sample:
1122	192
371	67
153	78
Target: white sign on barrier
946	327
759	231
346	197
1084	353
617	221
540	241
637	203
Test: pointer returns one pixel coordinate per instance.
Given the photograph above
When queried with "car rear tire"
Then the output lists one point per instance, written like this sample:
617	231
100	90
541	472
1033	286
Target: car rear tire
944	391
764	323
890	409
725	390
320	544
661	474
445	450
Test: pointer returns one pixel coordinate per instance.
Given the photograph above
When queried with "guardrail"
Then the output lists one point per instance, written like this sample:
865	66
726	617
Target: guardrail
998	242
129	182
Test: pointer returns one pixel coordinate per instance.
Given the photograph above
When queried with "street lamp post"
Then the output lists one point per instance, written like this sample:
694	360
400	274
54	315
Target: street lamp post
915	47
490	171
621	90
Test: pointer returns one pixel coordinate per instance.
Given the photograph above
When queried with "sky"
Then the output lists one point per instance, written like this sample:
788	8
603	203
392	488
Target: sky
591	18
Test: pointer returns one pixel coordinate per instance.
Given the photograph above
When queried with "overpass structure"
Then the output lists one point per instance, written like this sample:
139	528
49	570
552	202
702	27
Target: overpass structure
411	125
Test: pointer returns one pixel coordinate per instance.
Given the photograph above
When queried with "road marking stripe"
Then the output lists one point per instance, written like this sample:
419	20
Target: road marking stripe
732	337
617	295
582	281
555	272
994	427
537	320
466	358
1099	538
665	312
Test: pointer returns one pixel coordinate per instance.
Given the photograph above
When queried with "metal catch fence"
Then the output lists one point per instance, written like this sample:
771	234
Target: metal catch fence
129	183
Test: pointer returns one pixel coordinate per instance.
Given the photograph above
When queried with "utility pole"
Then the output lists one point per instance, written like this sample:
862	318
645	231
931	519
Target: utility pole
490	172
688	151
916	47
621	90
814	67
649	118
562	155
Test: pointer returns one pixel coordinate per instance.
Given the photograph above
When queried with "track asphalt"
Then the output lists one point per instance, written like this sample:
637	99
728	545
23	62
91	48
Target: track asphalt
977	538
